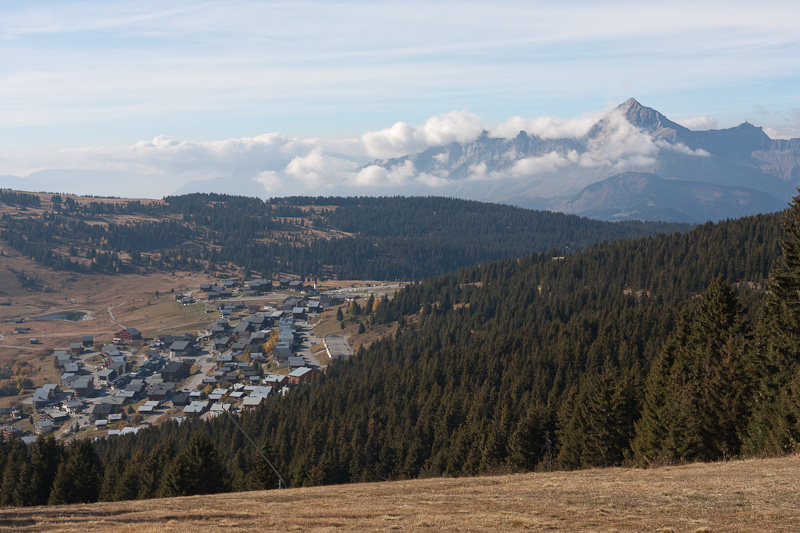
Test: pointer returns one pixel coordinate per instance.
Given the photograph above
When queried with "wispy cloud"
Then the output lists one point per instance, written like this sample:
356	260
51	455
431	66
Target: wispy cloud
75	72
698	123
81	83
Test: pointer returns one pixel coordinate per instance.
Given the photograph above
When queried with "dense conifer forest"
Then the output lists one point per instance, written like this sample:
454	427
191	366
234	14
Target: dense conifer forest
661	350
344	238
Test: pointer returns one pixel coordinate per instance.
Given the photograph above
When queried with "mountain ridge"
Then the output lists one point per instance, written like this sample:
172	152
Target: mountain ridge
629	138
645	196
538	161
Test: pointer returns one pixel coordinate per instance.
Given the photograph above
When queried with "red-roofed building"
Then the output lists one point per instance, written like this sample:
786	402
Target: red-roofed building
128	335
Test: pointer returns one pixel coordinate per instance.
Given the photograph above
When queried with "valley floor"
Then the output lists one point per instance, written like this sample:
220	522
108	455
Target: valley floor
752	495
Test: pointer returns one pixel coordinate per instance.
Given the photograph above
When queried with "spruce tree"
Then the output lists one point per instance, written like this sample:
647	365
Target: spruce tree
601	427
696	397
197	469
152	471
46	456
262	476
775	425
527	443
16	476
79	476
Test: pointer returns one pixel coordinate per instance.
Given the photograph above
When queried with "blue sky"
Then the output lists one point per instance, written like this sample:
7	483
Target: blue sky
79	80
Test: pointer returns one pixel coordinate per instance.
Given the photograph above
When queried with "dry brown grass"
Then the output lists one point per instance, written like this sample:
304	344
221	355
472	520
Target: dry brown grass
371	334
753	495
130	295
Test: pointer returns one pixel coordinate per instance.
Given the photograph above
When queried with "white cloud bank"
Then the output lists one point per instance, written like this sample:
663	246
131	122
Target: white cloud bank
402	139
279	165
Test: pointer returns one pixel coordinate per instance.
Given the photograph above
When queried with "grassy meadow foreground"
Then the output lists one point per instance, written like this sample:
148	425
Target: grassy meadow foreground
752	495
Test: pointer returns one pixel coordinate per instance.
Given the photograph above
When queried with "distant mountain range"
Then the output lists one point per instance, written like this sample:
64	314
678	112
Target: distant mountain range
674	173
643	196
632	163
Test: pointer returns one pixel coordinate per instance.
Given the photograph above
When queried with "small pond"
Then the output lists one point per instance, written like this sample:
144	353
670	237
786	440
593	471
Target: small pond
72	316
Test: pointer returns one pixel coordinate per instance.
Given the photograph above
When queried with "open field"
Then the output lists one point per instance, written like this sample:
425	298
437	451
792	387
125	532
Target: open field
130	297
111	303
753	495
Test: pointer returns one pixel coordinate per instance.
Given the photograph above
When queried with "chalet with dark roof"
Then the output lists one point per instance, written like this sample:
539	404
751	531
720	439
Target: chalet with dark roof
9	432
282	355
128	335
168	340
99	411
83	386
296	362
159	391
180	399
327	300
301	375
181	349
255	322
222	343
196	408
106	376
176	370
259	286
275	380
239	347
61	358
44	427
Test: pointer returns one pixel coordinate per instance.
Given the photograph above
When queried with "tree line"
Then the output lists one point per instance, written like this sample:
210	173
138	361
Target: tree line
661	350
379	238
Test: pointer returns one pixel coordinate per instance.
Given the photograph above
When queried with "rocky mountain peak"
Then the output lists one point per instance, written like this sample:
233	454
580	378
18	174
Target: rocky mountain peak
649	119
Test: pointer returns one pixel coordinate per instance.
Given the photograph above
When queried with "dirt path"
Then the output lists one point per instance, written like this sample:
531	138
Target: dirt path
18	347
111	314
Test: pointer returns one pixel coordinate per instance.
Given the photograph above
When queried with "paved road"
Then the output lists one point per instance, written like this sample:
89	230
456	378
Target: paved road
366	289
204	362
307	339
338	346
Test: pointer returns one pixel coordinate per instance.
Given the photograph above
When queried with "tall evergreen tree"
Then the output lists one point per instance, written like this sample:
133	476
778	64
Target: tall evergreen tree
153	469
46	456
775	426
16	476
528	443
262	476
79	477
697	393
601	427
197	469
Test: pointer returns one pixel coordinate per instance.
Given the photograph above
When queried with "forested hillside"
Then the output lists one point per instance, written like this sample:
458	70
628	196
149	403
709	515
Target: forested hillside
345	238
657	350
